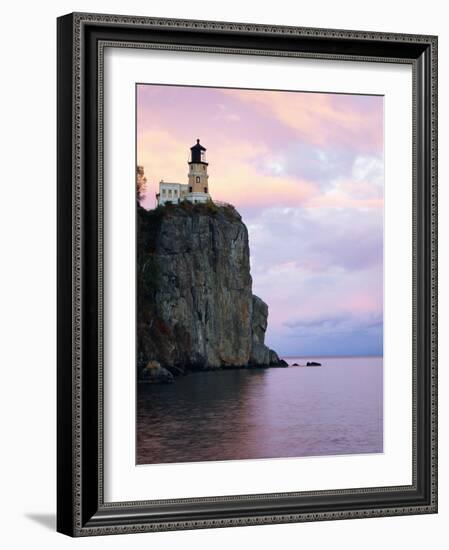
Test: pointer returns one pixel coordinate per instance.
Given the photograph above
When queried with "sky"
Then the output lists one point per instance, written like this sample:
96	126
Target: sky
306	172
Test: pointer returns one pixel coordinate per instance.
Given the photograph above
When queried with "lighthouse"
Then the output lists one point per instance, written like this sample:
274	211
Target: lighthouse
198	178
197	188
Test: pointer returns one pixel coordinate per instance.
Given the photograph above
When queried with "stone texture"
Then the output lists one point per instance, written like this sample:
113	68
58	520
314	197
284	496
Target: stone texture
260	353
196	309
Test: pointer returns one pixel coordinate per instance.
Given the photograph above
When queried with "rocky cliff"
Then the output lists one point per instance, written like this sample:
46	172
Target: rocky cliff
195	307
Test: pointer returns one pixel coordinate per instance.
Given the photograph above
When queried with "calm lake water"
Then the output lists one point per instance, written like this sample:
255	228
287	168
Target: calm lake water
264	413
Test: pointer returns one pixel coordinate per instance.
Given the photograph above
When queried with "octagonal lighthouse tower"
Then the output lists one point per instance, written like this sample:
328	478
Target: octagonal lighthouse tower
198	177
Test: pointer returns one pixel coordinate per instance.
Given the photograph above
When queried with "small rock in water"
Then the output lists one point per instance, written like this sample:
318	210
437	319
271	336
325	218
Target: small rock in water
295	365
155	374
313	364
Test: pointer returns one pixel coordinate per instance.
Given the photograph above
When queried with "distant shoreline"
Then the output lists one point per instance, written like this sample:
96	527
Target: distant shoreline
300	356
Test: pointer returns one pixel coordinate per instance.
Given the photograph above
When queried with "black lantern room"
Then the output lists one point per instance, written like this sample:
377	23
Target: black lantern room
197	154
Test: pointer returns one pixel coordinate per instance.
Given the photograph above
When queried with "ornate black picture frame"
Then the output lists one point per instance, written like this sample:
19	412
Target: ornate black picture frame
81	509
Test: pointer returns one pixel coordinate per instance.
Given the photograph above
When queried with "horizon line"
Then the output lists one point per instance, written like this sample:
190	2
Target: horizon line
329	356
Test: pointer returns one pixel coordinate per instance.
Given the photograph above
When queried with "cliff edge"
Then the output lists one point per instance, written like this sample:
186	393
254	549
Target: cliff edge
195	307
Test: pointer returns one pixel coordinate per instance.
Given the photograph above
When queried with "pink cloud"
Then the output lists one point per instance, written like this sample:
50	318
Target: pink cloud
321	118
233	178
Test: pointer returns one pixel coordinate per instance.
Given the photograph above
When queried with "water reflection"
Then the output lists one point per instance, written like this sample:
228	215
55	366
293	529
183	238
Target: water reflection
242	414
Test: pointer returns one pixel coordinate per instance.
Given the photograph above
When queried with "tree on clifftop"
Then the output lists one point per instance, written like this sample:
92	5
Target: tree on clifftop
141	184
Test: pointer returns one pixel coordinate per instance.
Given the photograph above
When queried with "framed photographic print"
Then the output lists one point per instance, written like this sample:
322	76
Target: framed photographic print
247	284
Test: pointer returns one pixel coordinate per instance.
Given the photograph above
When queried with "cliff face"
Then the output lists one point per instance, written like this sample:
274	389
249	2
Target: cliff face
195	307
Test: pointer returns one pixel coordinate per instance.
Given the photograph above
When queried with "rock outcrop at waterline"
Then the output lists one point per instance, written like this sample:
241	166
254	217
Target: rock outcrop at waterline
195	307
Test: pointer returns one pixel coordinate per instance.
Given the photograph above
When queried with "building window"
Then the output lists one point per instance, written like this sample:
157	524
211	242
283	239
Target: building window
205	189
190	189
197	179
163	191
175	192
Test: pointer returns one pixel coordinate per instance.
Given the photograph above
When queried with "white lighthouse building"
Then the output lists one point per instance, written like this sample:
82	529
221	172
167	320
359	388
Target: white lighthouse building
197	188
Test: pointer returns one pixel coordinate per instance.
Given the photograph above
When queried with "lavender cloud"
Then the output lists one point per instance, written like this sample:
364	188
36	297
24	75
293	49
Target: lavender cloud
316	239
342	323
